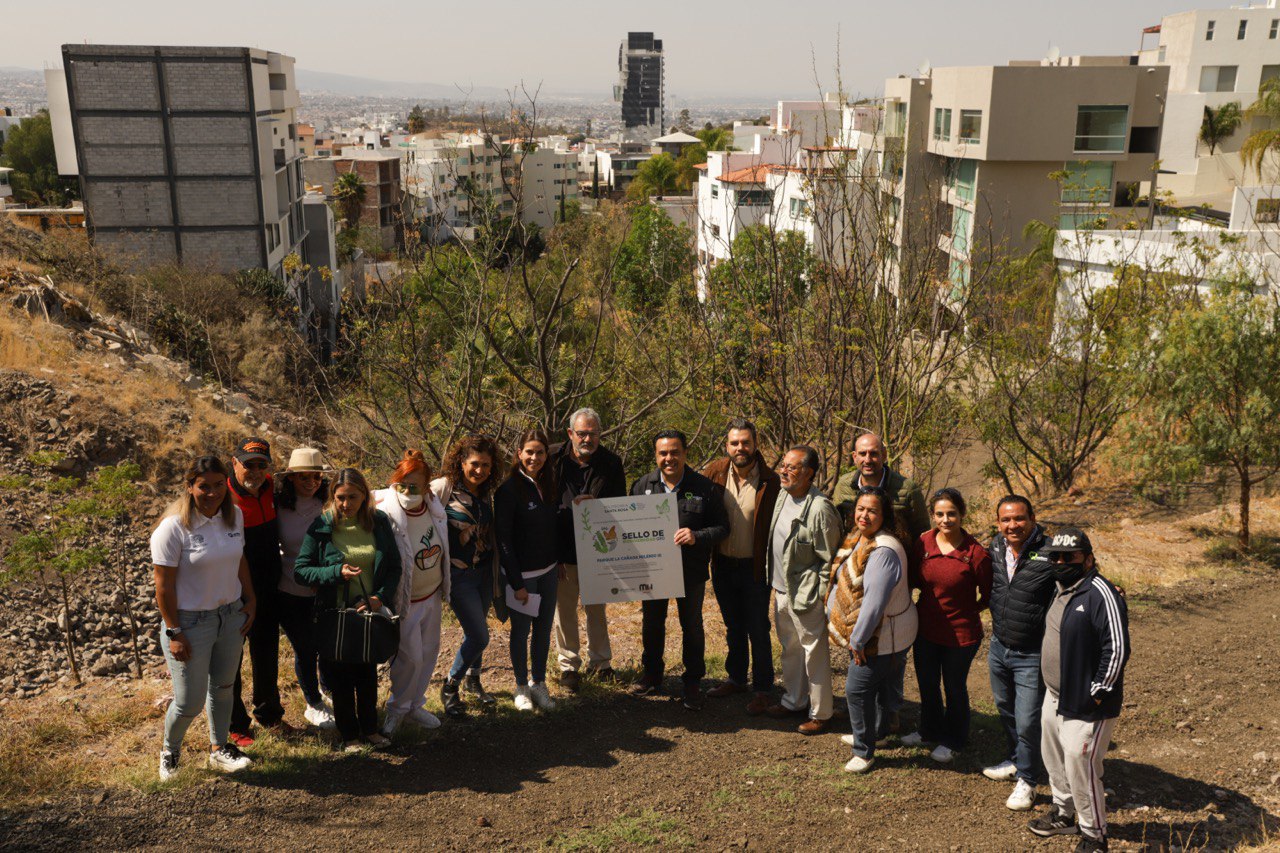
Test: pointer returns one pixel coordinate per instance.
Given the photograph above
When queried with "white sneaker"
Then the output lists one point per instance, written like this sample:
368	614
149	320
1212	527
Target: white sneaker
858	764
942	754
523	702
1002	772
228	759
319	716
847	740
912	739
424	718
168	766
1022	797
541	697
392	722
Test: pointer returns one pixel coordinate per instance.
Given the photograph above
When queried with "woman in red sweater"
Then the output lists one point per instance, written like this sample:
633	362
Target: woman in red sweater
954	579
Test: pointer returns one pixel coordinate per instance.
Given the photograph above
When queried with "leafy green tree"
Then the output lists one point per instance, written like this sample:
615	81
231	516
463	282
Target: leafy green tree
656	176
30	153
1212	399
656	255
417	121
1267	139
349	193
716	138
1218	125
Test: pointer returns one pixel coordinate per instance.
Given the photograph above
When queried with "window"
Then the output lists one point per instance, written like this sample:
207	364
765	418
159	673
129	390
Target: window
754	198
1269	72
1143	140
1244	28
964	176
1128	193
1087	183
715	191
1101	128
1160	55
799	208
1208	32
971	126
960	219
1267	211
715	230
1081	220
1218	78
942	124
1275	28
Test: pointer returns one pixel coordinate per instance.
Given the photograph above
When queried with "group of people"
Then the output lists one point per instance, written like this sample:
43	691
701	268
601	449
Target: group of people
875	569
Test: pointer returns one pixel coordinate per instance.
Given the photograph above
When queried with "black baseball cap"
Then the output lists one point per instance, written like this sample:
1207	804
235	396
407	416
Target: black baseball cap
1068	540
253	448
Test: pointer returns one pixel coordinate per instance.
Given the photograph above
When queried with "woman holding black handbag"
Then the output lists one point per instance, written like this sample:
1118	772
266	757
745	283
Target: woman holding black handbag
350	553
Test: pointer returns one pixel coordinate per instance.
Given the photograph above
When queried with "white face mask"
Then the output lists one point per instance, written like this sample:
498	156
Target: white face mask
410	502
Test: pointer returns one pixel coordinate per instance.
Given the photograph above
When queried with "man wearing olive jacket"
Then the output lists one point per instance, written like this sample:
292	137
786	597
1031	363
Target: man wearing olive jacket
703	523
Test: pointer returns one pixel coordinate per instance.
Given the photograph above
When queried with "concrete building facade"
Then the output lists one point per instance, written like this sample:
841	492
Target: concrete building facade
641	87
187	154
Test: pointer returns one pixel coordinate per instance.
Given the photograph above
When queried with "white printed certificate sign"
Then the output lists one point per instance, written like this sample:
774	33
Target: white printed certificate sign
627	549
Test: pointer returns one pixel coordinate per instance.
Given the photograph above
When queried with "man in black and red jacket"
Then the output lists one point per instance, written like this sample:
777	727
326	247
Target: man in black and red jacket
253	491
1085	649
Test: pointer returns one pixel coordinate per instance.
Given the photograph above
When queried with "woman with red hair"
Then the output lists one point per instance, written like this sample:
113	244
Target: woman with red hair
421	528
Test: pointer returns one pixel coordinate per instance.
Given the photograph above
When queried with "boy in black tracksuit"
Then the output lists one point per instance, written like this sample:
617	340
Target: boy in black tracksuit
703	523
1086	647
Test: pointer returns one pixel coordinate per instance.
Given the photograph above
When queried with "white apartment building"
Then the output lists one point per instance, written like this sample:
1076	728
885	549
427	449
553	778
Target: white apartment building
1214	57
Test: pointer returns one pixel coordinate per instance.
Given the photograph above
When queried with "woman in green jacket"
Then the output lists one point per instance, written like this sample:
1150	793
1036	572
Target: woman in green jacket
350	554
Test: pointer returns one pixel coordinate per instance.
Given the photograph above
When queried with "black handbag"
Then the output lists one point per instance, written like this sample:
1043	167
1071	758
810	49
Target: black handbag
348	635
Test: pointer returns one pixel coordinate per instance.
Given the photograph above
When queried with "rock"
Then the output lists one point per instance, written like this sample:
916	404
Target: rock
238	403
1126	522
483	821
1221	794
192	382
1259	756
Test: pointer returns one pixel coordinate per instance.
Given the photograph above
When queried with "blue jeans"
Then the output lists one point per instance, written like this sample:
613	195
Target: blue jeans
296	620
869	690
1018	690
539	647
206	678
470	594
948	723
744	606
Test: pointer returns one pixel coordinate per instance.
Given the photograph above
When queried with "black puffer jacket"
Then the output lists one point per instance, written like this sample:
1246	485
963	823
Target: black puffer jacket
1018	606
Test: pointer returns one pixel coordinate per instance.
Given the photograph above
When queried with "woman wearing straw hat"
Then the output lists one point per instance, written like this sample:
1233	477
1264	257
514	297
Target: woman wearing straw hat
300	495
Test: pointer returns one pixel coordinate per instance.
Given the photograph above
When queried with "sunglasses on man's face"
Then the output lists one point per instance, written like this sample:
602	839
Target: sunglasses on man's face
255	465
1067	559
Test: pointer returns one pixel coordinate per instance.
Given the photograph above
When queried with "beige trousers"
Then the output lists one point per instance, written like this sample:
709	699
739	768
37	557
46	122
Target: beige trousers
806	662
599	654
1072	751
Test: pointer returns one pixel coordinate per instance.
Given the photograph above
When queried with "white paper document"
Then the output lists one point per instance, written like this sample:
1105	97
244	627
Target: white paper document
529	608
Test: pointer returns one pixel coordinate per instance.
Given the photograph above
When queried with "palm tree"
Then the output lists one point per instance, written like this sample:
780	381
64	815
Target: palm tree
348	192
716	138
1267	107
656	176
1219	124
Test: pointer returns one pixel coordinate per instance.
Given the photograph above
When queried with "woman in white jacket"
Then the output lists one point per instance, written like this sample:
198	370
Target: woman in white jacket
419	522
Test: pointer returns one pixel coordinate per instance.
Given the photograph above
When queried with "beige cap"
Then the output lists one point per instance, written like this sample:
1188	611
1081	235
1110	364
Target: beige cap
306	459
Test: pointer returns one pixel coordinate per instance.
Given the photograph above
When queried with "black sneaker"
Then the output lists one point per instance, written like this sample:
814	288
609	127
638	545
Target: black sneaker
1053	822
692	698
475	689
168	766
1089	844
453	705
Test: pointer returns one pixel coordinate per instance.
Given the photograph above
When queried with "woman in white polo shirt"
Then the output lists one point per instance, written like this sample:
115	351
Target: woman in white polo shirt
207	603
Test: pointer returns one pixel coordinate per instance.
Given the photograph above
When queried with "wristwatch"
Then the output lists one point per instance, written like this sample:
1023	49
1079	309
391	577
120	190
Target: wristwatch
171	633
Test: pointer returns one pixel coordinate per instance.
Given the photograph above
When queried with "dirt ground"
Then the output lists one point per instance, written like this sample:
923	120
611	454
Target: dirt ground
1195	765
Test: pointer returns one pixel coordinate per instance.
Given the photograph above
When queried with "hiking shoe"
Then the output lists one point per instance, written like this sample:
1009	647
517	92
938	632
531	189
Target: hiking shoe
1023	796
858	764
541	698
1053	822
281	729
812	727
228	759
392	722
319	716
692	699
474	688
570	680
377	741
1001	772
452	702
168	766
524	702
759	704
1089	844
243	740
780	712
913	739
726	689
943	754
647	686
424	718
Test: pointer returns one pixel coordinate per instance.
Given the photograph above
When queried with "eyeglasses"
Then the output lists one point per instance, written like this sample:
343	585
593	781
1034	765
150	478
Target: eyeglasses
406	489
584	434
793	468
1065	559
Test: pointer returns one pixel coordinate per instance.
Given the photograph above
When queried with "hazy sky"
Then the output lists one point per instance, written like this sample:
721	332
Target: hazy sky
724	47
